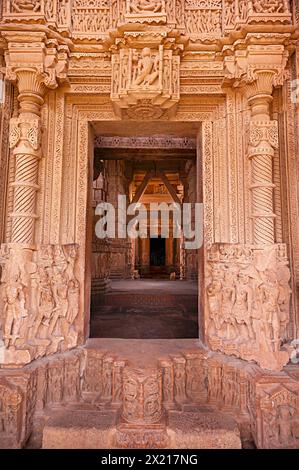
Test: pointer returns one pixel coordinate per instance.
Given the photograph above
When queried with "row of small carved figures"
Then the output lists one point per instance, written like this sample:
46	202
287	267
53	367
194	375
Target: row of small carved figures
150	7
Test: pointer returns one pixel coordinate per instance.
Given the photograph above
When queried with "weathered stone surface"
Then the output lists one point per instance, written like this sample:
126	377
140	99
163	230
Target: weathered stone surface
80	430
202	430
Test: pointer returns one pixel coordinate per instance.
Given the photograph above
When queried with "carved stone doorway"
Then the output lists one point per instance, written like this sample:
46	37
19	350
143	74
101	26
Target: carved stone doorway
147	164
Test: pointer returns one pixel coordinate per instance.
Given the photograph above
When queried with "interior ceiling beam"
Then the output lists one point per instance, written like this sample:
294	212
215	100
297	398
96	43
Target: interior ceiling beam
169	187
145	142
142	187
144	154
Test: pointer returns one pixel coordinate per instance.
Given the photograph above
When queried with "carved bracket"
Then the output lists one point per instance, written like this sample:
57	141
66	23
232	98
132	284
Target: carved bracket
262	66
46	60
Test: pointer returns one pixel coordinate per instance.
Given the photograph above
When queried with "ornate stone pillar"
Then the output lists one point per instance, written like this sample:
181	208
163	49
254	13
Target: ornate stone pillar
38	317
247	289
25	140
263	140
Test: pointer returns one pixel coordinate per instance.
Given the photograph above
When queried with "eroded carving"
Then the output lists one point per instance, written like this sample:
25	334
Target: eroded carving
40	293
248	303
142	396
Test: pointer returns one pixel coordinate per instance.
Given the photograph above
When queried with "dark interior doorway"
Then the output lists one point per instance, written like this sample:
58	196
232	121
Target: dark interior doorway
157	251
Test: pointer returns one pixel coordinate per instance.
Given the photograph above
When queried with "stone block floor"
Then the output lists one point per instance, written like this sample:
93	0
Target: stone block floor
146	309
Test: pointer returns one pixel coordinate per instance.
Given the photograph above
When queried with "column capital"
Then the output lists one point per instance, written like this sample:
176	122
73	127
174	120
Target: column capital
35	63
257	69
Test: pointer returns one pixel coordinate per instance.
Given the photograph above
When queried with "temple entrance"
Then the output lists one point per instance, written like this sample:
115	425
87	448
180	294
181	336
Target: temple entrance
143	286
157	253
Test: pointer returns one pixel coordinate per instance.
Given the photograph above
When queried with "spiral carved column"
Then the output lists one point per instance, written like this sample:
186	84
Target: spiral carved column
25	140
263	140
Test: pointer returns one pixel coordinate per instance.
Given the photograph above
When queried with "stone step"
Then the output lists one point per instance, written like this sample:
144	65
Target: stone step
86	429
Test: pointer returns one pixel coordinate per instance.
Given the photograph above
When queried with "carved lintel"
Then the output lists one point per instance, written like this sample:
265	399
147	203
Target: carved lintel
248	297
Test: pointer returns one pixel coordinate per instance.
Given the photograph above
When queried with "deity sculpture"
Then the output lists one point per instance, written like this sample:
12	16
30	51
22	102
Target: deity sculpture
268	6
214	293
147	69
45	302
14	310
228	300
269	292
242	309
21	6
142	6
60	293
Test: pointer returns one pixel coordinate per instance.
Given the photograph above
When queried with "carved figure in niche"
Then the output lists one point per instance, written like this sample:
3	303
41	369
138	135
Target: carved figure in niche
284	424
268	6
152	400
167	384
62	11
228	300
55	384
59	258
143	6
107	377
285	291
21	6
242	309
60	293
214	293
230	12
130	397
45	302
71	380
270	425
117	382
14	310
73	301
269	292
179	382
146	69
11	419
214	383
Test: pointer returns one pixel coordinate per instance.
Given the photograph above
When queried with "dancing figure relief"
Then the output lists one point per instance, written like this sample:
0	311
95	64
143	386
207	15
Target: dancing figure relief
146	69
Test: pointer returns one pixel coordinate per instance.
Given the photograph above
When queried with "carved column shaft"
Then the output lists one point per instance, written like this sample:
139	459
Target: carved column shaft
262	142
25	141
